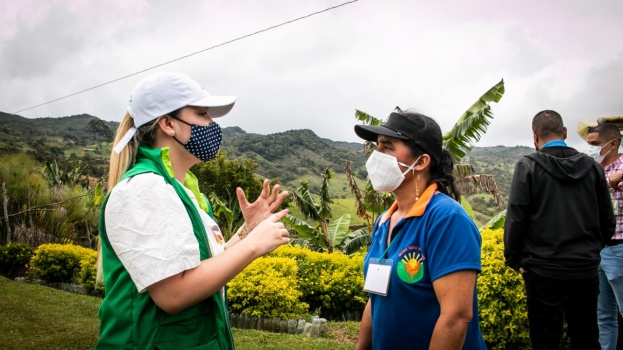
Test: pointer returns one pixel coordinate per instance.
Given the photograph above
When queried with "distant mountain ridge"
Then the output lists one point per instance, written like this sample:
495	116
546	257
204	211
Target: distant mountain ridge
291	155
17	126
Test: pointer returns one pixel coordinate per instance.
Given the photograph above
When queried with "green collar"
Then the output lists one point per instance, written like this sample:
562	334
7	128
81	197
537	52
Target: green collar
190	180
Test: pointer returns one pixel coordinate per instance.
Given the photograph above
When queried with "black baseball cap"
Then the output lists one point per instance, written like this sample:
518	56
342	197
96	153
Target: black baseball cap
420	129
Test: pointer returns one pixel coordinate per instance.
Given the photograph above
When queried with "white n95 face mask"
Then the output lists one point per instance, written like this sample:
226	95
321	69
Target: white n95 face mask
384	172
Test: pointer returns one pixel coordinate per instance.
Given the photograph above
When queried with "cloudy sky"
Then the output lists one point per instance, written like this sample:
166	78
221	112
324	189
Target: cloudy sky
434	56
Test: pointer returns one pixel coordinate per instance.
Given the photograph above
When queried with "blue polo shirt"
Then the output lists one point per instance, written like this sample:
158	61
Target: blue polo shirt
436	238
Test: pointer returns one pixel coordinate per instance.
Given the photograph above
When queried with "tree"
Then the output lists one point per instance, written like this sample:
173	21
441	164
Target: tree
99	130
218	179
222	176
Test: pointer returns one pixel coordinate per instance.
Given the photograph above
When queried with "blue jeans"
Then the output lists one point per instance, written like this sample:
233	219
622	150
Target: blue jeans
610	295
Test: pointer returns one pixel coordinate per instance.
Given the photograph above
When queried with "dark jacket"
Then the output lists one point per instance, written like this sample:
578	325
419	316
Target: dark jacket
559	214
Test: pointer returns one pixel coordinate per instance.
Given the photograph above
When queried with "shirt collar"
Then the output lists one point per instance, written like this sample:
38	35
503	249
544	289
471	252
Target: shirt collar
418	209
556	143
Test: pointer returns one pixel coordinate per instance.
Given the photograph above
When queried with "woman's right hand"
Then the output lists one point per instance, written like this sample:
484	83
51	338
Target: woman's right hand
269	234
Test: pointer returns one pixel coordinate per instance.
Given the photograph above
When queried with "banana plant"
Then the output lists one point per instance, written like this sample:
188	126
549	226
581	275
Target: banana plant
339	235
323	235
319	212
69	175
227	213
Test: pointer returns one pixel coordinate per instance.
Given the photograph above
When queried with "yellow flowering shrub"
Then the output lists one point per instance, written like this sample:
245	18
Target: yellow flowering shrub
501	297
87	274
14	259
58	262
332	284
294	281
267	288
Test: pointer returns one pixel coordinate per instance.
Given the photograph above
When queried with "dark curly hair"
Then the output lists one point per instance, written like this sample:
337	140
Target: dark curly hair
441	166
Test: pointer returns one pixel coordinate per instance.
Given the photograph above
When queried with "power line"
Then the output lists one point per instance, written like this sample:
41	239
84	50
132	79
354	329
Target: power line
192	54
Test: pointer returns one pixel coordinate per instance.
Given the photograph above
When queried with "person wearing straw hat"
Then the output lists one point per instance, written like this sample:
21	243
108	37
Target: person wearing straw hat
420	270
603	145
163	258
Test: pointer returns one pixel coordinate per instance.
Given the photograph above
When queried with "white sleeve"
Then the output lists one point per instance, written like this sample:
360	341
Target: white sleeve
149	230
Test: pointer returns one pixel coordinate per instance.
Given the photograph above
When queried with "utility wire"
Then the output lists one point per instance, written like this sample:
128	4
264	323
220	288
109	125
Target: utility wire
192	54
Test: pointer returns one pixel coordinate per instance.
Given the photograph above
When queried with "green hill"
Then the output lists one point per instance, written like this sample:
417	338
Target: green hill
498	161
291	156
74	127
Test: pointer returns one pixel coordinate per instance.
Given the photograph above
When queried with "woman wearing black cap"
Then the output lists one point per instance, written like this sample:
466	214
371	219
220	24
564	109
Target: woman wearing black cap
420	270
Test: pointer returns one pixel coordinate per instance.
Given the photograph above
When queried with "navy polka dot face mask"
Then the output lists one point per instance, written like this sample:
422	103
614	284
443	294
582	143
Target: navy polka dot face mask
204	141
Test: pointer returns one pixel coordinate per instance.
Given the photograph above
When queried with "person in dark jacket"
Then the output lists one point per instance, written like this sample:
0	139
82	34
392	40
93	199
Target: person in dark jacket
558	219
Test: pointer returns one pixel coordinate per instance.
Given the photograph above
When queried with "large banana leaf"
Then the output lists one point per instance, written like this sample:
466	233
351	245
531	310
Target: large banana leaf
221	208
497	221
472	124
98	195
468	207
305	202
356	240
301	227
367	119
463	170
339	229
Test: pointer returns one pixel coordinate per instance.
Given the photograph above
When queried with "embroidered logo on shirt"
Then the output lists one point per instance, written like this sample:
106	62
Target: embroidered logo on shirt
410	268
216	231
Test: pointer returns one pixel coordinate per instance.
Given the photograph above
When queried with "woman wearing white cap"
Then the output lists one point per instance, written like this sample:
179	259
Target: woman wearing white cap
164	261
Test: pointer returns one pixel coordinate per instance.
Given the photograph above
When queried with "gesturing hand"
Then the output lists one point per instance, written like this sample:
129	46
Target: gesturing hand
268	201
269	234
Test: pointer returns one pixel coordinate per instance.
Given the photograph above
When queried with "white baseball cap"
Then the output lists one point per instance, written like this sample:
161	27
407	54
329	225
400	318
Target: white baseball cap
165	92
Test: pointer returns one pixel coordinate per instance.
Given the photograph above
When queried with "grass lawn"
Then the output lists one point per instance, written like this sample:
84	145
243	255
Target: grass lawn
38	317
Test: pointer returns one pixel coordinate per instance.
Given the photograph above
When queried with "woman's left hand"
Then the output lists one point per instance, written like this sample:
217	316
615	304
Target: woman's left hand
268	201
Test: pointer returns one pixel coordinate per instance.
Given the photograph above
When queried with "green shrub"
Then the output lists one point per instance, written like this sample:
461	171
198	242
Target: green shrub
58	262
14	259
501	297
87	274
332	284
267	288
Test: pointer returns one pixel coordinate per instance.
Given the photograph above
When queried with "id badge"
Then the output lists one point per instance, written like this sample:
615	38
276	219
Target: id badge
377	278
615	206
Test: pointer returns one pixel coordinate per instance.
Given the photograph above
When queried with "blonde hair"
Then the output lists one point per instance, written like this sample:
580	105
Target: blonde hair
120	163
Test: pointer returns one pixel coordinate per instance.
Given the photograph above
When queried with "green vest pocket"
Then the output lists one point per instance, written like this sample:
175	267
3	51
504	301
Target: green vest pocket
193	333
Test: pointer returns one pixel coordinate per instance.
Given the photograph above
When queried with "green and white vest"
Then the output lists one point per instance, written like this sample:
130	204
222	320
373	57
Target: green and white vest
131	320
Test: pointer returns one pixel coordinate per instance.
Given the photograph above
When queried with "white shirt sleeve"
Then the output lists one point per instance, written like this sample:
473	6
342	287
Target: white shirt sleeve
149	230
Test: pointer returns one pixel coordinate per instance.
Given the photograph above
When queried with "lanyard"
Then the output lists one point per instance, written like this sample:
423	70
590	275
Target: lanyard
391	243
